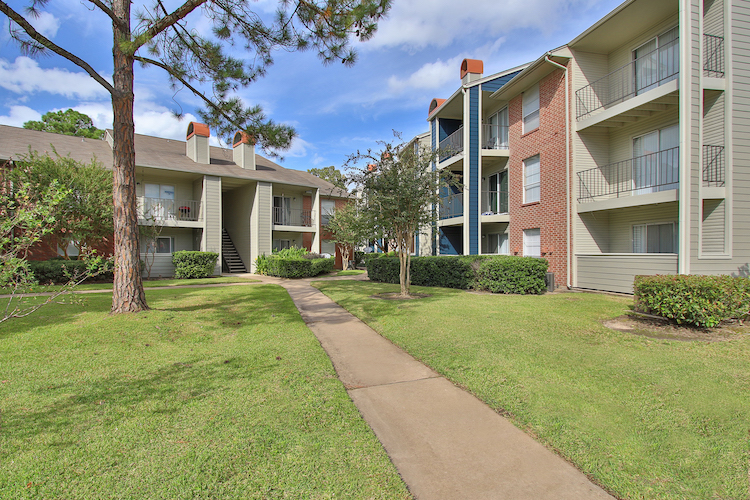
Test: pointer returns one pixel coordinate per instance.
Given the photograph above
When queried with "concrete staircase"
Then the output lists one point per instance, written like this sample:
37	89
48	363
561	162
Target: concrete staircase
232	261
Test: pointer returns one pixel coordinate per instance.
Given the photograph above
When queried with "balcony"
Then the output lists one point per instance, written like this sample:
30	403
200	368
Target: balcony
645	73
494	136
451	206
452	145
713	56
494	202
168	210
650	173
713	166
293	217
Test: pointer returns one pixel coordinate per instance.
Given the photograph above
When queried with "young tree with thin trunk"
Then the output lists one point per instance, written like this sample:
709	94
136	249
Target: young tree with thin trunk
348	229
399	190
159	37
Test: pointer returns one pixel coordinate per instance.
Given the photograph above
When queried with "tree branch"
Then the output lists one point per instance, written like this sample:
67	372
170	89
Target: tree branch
165	22
44	41
116	20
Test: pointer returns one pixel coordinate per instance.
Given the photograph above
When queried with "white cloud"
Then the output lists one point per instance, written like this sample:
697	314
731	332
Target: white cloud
430	76
45	23
298	149
317	160
25	76
416	24
19	115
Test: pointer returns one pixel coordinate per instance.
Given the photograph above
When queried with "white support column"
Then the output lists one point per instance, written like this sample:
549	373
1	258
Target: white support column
318	217
467	125
686	124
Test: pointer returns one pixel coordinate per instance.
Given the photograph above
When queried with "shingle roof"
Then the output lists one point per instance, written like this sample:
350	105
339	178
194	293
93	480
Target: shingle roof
159	153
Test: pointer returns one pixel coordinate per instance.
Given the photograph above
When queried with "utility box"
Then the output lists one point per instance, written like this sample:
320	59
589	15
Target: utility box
549	278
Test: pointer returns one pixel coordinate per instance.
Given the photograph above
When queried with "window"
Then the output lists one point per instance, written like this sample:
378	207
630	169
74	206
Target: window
496	243
657	61
531	109
532	243
328	247
327	207
162	244
497	195
496	131
656	160
158	201
282	211
282	244
654	238
531	181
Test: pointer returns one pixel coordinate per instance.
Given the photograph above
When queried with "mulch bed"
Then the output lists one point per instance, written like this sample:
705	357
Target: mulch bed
660	328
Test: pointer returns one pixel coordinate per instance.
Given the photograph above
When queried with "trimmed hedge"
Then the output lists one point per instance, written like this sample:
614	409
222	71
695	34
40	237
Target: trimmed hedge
498	274
510	274
189	264
699	300
293	267
54	270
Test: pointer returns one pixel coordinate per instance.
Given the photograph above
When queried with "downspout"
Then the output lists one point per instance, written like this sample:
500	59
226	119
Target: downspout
569	250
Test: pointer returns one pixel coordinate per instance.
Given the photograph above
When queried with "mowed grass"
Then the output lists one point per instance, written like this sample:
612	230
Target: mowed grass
146	284
644	418
351	272
215	393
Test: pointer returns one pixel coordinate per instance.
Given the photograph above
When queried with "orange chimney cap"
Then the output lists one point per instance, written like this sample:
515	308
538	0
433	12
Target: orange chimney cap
241	137
195	128
471	66
434	104
372	167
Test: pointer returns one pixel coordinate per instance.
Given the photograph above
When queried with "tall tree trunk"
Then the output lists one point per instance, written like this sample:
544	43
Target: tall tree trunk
403	258
127	293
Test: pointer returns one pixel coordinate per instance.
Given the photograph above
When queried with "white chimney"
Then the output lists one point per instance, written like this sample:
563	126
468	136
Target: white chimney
244	150
471	70
197	143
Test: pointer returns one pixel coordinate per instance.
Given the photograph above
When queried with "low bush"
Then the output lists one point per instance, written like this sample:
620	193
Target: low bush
291	253
190	265
62	271
511	274
289	267
322	266
703	301
261	264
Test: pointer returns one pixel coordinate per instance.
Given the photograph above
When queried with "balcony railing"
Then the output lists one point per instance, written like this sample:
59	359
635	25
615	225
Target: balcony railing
494	202
293	217
453	144
713	166
713	56
165	209
494	136
645	73
451	206
641	175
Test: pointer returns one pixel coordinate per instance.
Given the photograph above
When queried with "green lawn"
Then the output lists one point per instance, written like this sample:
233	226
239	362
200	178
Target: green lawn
215	393
351	272
146	284
644	418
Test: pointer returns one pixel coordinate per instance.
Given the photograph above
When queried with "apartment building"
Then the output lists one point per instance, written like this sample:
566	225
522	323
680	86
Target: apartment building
230	201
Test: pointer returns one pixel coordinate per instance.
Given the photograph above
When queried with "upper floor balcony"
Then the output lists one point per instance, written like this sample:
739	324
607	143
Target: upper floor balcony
451	206
452	145
494	136
644	73
168	211
494	202
283	216
649	173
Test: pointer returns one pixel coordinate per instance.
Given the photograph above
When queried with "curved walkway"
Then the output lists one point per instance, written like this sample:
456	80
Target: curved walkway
445	443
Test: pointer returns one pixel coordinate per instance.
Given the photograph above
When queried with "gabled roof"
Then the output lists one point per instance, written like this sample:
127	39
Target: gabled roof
155	152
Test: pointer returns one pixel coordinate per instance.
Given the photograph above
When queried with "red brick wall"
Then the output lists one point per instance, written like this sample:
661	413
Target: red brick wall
47	248
548	141
324	234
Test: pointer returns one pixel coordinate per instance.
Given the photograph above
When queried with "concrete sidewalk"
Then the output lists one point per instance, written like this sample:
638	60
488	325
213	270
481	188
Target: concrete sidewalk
445	443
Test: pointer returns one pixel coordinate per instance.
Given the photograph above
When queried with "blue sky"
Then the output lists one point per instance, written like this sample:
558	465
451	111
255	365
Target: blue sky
336	110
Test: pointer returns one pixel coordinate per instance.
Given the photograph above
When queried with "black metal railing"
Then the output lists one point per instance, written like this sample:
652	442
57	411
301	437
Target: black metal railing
713	56
292	217
648	71
713	166
640	175
494	202
451	206
452	145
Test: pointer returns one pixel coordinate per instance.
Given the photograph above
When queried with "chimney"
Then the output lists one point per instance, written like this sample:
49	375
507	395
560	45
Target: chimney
197	143
471	70
243	147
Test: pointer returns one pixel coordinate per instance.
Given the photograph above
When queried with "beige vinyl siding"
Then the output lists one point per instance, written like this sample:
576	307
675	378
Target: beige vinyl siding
624	54
615	273
212	227
591	148
586	68
236	207
182	239
198	195
592	232
260	221
713	118
621	223
183	189
713	226
713	17
295	239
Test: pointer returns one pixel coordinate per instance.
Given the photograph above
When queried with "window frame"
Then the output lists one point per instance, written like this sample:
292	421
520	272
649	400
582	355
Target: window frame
529	97
325	214
535	185
674	241
526	246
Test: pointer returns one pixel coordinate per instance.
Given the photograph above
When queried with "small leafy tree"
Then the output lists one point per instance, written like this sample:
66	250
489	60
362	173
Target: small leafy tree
349	229
399	189
150	231
69	122
330	174
84	215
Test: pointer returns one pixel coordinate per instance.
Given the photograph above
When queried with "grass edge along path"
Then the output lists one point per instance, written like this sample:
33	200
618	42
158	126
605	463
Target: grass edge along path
642	417
214	393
